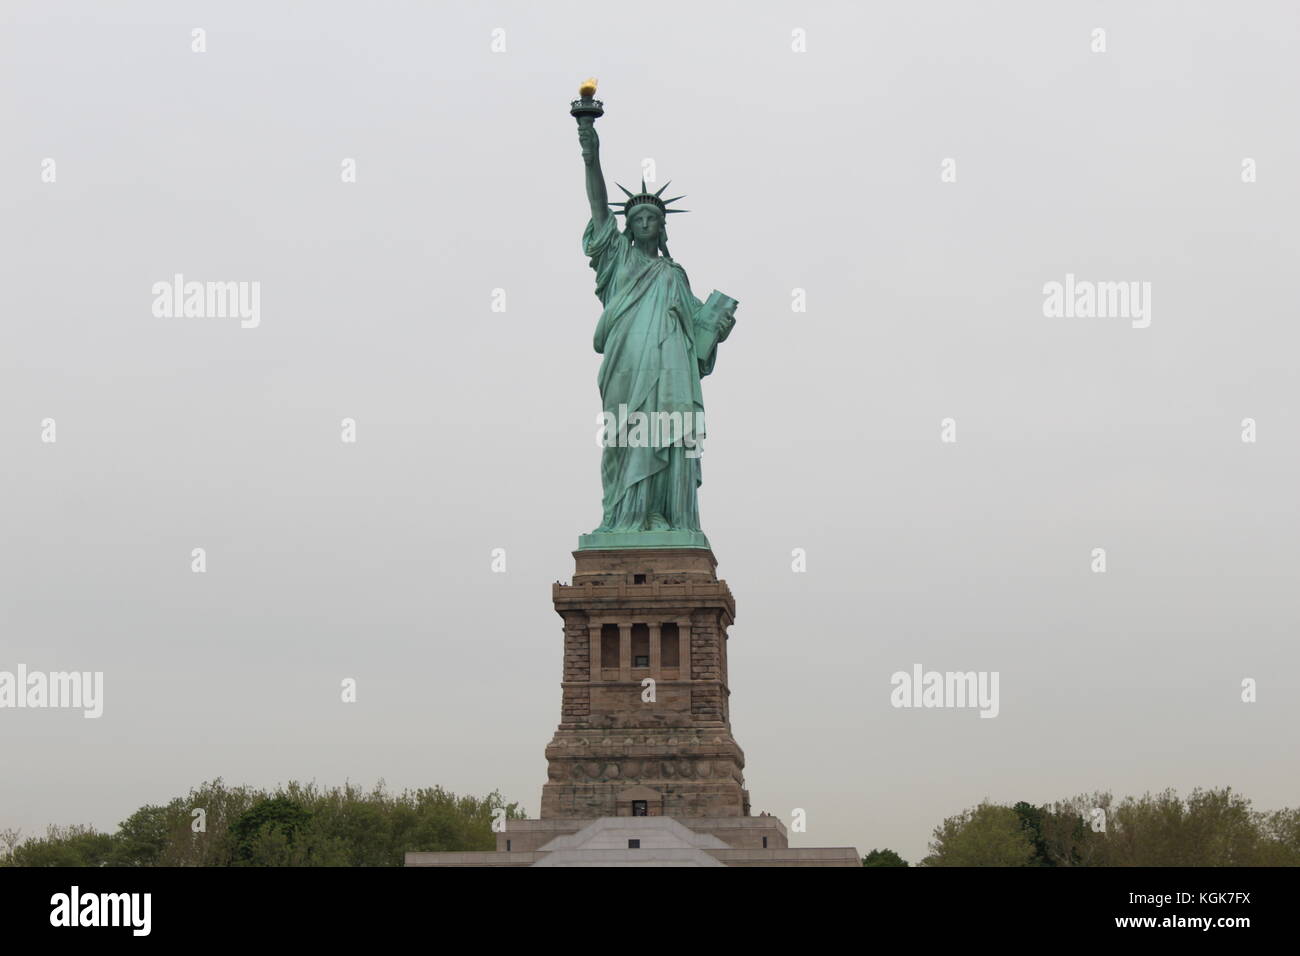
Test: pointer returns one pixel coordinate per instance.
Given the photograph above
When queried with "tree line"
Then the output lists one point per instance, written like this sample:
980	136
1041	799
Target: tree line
308	825
296	825
1209	827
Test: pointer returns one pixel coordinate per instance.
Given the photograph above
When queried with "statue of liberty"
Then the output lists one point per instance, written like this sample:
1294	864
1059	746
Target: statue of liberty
658	340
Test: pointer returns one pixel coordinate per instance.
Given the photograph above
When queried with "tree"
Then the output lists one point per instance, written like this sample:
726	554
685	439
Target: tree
213	843
1075	831
986	835
264	833
1214	827
1209	828
883	858
74	845
296	825
9	837
143	836
1031	822
1280	832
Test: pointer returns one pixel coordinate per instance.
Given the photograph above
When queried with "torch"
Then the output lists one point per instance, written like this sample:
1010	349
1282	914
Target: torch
584	109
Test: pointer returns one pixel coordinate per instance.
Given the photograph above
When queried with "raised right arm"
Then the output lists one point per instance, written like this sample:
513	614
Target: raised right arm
596	193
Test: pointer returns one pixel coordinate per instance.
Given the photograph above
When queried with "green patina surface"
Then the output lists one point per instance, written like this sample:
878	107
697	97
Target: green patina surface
658	341
618	540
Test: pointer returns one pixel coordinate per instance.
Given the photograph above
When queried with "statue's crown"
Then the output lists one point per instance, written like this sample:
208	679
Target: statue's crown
643	197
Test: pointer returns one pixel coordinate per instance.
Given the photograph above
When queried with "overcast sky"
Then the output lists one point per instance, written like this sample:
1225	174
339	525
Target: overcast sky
817	170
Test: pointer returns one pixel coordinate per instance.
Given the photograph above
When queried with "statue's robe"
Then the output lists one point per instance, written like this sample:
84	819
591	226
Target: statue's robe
648	334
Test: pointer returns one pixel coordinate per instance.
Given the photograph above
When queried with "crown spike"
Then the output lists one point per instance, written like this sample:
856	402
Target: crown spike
646	198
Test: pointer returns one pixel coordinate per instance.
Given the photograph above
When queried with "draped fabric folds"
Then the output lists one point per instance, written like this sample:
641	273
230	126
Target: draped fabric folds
649	333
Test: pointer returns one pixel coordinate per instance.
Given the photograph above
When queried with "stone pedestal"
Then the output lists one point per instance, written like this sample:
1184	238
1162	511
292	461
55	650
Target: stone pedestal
638	778
644	726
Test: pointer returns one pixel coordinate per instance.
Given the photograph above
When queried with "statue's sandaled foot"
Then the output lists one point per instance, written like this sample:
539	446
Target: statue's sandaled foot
657	522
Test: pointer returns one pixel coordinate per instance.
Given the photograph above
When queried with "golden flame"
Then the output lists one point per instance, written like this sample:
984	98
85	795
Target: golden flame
588	87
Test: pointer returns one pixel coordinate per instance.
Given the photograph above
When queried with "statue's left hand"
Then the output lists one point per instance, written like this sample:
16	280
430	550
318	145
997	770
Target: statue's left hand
725	325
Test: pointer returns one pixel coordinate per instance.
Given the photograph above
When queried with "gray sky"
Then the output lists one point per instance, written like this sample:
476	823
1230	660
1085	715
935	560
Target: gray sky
817	170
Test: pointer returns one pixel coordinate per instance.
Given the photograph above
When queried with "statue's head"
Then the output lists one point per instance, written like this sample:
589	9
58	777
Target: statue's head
645	223
646	215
